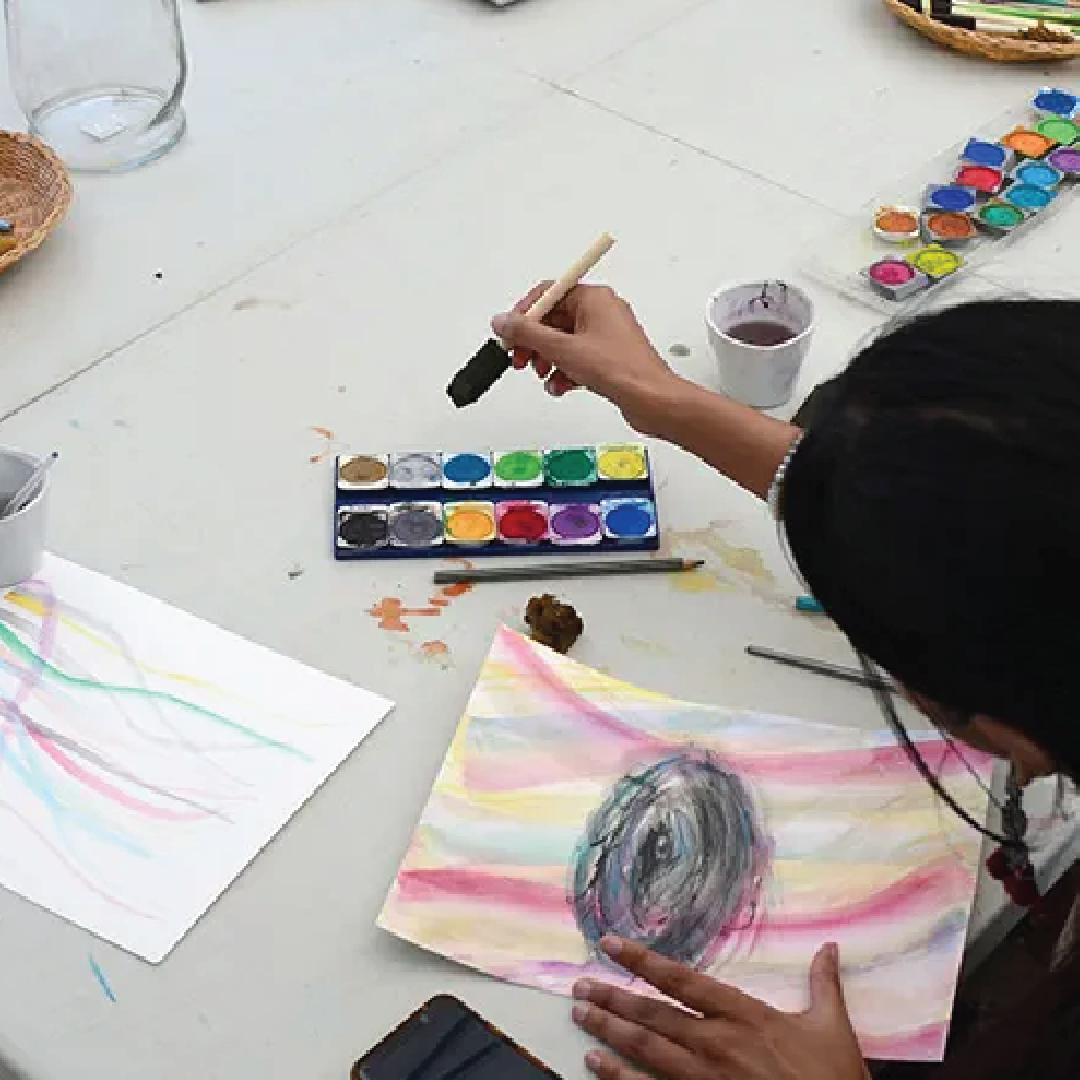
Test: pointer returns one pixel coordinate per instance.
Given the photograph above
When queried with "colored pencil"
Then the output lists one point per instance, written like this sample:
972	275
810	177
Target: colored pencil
551	570
822	667
1027	13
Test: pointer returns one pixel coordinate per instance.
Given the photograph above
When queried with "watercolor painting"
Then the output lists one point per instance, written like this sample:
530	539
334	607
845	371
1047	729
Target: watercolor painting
146	756
571	805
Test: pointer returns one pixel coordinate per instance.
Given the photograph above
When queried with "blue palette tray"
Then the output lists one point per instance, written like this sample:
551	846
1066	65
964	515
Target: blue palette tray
558	500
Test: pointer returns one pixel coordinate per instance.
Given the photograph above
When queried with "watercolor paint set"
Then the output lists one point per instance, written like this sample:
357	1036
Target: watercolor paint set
519	501
962	209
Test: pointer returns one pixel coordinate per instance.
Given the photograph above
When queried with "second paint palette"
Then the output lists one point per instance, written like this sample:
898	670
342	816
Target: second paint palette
514	502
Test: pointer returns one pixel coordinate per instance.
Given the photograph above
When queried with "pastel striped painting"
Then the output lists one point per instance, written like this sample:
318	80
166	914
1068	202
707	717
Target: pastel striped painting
146	756
571	804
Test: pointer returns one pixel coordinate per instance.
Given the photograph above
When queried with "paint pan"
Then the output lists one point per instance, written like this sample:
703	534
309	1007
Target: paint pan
896	224
949	229
936	262
1040	173
992	155
570	466
470	524
363	472
622	462
576	524
628	520
980	178
519	469
467	471
999	217
416	524
1029	197
363	527
1067	159
416	471
1028	143
1063	132
1050	101
895	279
522	522
949	197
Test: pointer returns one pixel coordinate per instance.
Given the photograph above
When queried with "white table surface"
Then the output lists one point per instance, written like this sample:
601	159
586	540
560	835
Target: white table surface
363	183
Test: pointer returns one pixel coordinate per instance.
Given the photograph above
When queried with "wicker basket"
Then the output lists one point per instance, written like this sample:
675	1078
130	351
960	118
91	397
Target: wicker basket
1004	48
35	192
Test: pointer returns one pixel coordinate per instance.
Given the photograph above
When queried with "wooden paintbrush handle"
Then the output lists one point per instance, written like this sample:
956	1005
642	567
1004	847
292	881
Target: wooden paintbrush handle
555	292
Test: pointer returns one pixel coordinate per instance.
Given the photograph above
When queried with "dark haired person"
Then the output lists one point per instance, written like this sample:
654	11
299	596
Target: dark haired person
931	506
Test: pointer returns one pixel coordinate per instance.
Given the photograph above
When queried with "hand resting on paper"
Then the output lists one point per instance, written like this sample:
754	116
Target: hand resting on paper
725	1036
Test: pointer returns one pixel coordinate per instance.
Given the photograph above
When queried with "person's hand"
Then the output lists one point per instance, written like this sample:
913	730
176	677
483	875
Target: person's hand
591	339
726	1035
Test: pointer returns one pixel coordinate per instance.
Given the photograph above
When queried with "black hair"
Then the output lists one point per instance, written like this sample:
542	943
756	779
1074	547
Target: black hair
933	508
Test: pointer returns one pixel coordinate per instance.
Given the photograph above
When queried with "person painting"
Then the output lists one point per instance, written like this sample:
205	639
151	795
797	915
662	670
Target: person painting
931	507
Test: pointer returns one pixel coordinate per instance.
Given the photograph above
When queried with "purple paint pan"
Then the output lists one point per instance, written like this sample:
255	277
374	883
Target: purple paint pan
1066	160
575	524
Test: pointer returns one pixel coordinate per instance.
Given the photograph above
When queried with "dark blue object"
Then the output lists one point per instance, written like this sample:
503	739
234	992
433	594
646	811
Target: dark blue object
953	197
985	153
1058	102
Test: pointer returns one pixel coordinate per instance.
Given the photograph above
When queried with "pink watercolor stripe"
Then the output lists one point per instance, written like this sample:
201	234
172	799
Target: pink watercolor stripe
883	766
107	790
921	891
453	882
525	657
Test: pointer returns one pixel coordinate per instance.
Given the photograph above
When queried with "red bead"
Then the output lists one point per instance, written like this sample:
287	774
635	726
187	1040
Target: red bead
998	865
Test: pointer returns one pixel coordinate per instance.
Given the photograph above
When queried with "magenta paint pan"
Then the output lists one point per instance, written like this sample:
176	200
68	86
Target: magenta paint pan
895	279
576	524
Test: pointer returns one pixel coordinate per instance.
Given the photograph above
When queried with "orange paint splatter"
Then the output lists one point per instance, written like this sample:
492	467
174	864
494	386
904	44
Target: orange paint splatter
328	449
392	613
434	650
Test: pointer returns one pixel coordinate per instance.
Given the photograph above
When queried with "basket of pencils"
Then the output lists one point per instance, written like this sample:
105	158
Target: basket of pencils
35	192
1008	31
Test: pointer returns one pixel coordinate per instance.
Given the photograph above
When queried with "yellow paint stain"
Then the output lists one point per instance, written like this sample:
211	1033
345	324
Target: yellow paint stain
699	581
746	565
654	648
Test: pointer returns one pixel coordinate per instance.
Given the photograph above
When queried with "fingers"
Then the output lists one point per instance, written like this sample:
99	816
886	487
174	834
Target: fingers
608	1067
519	332
658	1016
636	1043
531	297
559	384
826	991
680	982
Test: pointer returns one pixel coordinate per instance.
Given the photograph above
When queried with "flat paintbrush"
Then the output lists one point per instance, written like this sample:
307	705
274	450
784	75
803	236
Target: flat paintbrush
493	361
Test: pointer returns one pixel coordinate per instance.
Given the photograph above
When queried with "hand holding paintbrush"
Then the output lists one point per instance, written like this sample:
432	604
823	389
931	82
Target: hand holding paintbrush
493	360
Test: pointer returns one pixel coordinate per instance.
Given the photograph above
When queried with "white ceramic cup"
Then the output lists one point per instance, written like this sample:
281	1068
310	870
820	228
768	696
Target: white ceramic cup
760	375
22	535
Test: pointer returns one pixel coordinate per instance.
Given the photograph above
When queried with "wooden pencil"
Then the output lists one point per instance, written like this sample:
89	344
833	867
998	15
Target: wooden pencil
551	570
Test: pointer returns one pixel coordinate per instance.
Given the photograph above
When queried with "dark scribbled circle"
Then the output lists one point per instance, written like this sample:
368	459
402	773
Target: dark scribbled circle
673	858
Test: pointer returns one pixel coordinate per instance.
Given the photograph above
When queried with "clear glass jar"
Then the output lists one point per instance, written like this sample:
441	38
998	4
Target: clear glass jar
100	81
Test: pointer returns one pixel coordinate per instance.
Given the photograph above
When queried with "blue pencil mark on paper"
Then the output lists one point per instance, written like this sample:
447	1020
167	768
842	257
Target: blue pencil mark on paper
103	982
